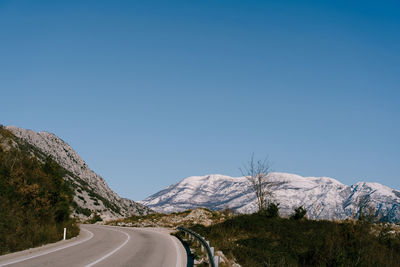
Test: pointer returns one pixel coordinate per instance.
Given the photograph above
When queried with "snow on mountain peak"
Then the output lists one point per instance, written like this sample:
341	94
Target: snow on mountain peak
323	197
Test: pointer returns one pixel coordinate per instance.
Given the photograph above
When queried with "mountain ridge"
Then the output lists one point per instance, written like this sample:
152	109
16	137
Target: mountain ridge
323	197
92	194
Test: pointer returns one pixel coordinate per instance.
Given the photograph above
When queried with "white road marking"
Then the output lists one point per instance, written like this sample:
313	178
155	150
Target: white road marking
176	242
49	251
112	252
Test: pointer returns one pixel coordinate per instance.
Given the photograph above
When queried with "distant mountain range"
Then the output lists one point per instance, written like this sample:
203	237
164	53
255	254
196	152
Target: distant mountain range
92	194
323	197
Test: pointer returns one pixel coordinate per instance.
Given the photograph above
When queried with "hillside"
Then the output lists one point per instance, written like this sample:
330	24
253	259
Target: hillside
258	240
323	197
91	193
35	201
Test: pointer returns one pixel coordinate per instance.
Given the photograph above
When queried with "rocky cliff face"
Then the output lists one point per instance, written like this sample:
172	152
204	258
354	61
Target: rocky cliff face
92	194
323	197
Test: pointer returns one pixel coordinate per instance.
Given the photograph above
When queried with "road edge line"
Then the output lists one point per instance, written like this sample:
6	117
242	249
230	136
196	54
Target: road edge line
24	258
111	252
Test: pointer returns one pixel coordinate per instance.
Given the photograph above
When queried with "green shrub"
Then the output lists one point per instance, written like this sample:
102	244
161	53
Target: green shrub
271	211
299	213
85	211
96	218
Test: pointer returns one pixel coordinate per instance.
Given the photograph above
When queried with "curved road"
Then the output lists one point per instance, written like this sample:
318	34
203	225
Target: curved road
106	246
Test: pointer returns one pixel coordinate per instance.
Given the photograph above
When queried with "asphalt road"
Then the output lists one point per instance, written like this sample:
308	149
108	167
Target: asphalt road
106	246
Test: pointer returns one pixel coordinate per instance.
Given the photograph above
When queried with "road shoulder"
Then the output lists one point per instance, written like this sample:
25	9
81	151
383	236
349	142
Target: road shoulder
6	259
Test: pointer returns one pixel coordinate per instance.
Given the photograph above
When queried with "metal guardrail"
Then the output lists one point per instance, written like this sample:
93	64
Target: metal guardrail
214	260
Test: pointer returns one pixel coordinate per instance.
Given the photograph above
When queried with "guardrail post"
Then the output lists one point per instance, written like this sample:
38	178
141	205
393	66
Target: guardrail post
216	261
65	234
212	251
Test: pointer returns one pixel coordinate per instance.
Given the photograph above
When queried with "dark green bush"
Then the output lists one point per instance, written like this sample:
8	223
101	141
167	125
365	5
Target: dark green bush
299	213
85	211
272	210
96	218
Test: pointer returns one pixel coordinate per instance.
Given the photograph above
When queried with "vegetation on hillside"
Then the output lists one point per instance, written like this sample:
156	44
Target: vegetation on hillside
35	201
262	240
202	216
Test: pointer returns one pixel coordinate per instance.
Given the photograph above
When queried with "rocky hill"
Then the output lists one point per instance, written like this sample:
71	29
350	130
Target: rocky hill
323	197
35	200
92	194
201	216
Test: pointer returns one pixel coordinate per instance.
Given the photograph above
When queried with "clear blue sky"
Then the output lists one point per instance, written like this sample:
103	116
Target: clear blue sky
149	93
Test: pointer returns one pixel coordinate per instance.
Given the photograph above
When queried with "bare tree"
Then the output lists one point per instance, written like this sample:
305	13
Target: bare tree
257	173
367	212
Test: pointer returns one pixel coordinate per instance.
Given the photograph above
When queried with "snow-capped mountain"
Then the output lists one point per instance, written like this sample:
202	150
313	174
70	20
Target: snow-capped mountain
323	197
92	194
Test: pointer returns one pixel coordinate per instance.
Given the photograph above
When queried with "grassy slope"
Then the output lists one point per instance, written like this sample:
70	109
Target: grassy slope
256	240
35	201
